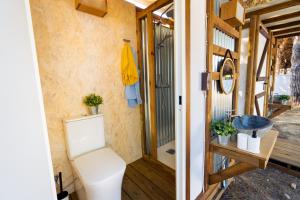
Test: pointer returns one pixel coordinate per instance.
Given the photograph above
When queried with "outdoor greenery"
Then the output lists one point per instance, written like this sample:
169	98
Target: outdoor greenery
284	97
93	100
223	128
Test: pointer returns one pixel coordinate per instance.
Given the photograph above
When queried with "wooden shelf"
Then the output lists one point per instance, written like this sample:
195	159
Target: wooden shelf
246	160
220	51
225	27
278	109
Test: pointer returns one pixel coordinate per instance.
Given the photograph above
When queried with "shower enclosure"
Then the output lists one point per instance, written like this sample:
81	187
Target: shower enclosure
157	61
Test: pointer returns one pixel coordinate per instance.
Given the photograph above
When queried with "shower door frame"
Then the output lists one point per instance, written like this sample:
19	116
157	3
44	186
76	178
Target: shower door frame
149	16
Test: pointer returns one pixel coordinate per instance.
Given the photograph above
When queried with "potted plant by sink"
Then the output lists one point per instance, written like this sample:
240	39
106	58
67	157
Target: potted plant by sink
93	102
224	129
284	99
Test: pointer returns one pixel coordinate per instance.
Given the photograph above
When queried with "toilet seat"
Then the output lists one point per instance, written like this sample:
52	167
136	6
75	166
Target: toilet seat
99	166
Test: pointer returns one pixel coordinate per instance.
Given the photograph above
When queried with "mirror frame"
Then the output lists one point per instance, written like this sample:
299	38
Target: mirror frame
221	74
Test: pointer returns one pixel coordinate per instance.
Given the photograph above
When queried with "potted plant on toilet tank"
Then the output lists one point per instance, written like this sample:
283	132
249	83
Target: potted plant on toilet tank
224	129
93	102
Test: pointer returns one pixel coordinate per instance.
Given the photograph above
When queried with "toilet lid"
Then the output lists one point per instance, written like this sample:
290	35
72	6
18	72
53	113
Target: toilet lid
99	165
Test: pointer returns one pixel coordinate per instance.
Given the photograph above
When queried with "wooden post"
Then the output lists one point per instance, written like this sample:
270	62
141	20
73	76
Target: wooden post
188	95
274	66
208	166
151	62
252	63
237	64
269	65
140	65
254	69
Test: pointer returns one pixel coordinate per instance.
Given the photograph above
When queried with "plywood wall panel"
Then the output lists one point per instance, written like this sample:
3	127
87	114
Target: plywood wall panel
78	54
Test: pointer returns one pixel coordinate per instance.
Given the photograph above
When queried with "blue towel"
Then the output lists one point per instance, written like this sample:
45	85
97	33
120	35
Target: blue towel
132	92
133	96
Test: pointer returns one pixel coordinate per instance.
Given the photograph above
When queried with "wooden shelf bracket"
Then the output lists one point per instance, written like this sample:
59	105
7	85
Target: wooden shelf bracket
230	172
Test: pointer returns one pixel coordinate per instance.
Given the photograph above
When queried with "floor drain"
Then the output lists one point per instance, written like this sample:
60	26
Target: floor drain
171	151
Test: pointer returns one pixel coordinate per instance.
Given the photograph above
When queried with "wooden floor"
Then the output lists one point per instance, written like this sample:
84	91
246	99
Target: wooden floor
287	147
148	180
286	152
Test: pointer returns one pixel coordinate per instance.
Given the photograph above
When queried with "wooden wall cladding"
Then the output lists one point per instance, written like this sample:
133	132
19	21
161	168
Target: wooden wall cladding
93	7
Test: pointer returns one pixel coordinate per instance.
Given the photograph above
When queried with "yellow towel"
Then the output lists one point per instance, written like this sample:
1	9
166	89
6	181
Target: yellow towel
128	67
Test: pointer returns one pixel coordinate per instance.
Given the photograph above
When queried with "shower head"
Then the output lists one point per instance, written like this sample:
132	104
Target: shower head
170	13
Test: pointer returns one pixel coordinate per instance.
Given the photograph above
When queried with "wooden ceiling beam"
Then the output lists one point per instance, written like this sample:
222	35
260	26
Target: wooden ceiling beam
287	31
155	6
285	25
273	8
281	18
288	35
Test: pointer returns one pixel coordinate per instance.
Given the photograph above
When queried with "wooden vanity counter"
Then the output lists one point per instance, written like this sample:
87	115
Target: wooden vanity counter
245	160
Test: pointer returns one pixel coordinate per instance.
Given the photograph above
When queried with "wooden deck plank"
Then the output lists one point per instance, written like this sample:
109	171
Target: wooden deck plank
146	185
284	143
286	152
167	172
133	190
158	178
287	149
125	196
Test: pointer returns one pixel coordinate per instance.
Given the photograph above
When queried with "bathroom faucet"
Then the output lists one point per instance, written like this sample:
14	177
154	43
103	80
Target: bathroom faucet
230	116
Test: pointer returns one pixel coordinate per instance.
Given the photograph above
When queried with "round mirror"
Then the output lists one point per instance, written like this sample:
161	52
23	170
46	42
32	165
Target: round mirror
227	76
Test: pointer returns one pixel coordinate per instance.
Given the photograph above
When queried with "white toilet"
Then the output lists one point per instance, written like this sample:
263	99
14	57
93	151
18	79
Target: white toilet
99	168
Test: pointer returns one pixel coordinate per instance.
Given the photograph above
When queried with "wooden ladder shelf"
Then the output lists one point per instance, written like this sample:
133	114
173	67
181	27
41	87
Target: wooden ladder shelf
245	161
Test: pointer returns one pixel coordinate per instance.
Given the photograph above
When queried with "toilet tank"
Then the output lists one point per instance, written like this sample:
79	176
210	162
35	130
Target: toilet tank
84	135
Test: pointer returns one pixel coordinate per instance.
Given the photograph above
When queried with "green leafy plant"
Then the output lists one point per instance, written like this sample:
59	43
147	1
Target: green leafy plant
223	128
284	97
93	100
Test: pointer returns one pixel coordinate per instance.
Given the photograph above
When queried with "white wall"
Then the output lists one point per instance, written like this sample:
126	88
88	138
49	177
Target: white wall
243	71
282	84
26	168
198	65
180	110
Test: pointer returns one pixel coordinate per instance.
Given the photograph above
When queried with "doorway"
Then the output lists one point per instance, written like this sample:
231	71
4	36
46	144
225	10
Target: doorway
156	34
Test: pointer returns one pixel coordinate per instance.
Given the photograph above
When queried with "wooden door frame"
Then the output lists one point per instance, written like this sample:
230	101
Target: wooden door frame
254	68
148	14
264	56
140	15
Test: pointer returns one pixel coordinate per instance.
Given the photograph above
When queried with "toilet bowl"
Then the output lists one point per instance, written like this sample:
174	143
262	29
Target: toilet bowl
99	168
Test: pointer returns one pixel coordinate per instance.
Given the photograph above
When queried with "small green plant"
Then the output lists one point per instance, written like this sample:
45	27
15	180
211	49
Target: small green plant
93	100
223	128
284	97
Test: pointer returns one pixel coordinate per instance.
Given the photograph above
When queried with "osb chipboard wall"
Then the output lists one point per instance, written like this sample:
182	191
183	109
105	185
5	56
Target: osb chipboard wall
78	54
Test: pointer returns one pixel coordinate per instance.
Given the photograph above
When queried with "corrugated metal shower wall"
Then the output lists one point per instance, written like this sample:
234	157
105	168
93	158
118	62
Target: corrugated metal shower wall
220	101
164	69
